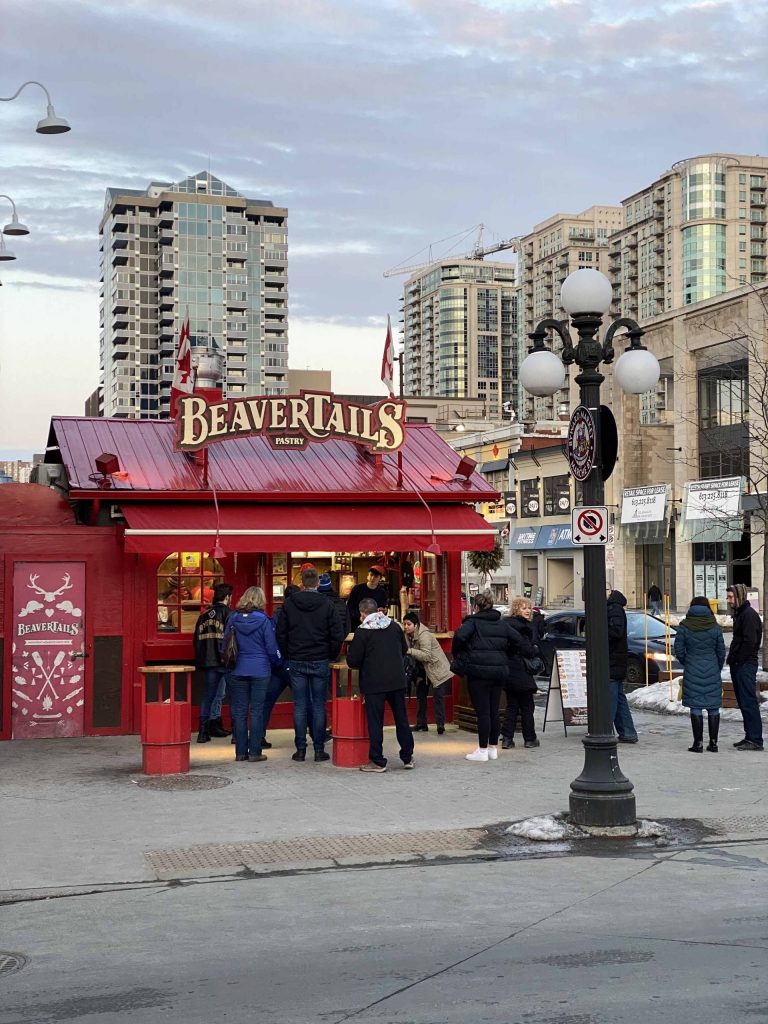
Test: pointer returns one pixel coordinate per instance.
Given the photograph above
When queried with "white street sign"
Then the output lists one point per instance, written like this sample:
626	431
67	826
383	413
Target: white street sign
589	525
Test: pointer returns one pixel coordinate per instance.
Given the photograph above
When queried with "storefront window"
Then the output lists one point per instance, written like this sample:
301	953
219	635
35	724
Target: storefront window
185	585
530	503
557	495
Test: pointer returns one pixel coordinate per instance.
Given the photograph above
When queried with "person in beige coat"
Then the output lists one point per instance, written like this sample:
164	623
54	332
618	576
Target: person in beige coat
424	648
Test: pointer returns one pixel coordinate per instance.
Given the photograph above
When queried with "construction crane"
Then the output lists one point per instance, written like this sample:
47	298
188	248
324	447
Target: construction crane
477	252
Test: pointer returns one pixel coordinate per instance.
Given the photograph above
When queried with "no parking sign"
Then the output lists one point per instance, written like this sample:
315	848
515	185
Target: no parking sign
589	524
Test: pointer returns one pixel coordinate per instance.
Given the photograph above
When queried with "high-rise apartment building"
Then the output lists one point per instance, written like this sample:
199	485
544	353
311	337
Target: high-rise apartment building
698	231
555	247
197	247
460	332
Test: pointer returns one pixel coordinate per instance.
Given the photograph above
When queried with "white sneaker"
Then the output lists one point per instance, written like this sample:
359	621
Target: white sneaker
493	753
481	754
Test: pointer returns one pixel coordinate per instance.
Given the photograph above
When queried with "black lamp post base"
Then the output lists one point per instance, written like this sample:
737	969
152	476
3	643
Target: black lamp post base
602	797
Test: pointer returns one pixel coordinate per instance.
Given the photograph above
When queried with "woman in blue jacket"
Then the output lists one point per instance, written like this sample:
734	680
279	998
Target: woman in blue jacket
700	649
257	652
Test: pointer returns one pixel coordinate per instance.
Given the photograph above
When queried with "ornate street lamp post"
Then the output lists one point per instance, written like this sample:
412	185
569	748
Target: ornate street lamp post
601	797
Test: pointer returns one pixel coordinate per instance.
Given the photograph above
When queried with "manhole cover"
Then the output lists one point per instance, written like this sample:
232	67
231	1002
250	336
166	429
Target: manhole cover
11	962
183	783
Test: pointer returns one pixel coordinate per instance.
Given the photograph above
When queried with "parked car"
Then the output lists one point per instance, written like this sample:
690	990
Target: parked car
565	631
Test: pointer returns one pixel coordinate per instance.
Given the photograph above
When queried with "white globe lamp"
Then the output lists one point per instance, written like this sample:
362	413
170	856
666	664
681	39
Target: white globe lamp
586	291
637	371
542	373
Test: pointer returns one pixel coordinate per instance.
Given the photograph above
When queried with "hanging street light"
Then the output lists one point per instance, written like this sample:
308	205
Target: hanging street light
15	227
601	798
50	124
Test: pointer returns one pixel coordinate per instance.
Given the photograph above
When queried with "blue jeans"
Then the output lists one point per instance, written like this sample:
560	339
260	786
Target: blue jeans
309	682
277	683
655	608
216	679
621	716
247	692
744	678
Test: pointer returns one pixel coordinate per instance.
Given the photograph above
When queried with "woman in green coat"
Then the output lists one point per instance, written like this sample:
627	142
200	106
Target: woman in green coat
700	649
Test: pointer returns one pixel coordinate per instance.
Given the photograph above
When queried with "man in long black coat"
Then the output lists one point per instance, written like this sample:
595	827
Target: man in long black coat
377	650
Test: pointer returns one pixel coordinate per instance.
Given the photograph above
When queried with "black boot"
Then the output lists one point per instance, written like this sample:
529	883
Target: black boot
697	724
216	728
203	735
713	724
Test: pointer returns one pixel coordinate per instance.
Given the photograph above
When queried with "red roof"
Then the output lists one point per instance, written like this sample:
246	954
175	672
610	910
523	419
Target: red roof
246	526
250	468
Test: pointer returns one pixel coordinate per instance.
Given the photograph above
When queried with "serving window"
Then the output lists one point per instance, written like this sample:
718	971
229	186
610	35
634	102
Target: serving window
185	584
412	579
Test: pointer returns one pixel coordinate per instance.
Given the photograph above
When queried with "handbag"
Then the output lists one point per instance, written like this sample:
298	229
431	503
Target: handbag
230	652
534	666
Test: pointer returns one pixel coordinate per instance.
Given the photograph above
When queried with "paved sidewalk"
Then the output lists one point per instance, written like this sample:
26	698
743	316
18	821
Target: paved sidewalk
80	813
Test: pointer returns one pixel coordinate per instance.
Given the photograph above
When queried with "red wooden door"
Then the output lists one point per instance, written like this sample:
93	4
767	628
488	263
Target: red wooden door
48	689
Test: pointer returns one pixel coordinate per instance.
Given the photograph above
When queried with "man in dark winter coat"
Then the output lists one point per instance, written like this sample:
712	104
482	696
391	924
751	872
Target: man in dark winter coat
377	649
373	589
742	658
310	636
325	586
617	666
655	598
209	631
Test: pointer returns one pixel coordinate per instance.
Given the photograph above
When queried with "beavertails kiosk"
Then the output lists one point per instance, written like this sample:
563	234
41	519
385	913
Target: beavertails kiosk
105	572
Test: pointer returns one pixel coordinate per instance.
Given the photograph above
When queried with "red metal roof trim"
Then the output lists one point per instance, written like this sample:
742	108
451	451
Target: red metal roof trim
250	468
159	527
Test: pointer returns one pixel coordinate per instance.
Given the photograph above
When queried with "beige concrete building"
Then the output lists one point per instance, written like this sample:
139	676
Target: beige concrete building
699	230
308	380
194	246
703	438
460	332
558	245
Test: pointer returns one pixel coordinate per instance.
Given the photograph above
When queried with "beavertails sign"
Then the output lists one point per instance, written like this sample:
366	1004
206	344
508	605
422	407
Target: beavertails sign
290	421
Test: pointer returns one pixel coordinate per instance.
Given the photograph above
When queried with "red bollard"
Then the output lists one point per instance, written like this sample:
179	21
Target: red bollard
166	722
348	722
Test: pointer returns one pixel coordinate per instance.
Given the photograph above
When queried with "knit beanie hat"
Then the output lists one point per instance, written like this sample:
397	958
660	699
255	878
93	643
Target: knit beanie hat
739	592
325	583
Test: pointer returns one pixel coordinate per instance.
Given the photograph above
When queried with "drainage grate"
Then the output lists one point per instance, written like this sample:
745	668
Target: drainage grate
745	824
321	848
183	783
11	962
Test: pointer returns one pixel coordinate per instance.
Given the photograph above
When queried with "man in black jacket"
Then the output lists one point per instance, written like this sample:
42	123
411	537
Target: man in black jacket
742	658
617	666
377	649
310	636
209	631
325	586
373	589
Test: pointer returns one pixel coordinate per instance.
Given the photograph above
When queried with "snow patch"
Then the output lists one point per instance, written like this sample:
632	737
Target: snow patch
651	830
657	698
547	828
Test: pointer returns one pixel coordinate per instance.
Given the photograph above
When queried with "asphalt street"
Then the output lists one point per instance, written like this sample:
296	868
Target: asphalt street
665	936
611	934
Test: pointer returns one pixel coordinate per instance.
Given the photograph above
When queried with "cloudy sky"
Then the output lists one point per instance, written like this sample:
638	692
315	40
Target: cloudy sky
383	126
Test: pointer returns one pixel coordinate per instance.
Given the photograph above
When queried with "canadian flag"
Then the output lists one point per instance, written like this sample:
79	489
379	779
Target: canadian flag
183	378
388	361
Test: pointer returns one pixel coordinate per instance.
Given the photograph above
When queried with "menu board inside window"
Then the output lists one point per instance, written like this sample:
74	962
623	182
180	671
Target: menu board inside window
185	585
279	577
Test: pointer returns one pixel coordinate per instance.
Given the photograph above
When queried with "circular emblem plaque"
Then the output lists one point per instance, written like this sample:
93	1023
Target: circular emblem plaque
581	443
